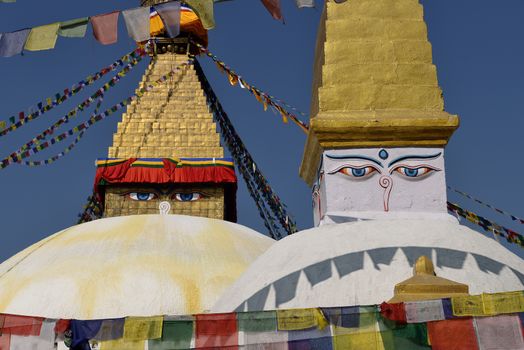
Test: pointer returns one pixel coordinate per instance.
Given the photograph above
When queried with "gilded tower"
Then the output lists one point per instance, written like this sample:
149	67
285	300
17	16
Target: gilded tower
166	147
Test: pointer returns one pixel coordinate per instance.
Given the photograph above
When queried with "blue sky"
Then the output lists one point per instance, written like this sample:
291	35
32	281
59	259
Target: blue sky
478	49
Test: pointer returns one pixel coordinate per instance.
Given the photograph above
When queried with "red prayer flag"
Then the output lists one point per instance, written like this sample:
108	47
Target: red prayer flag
216	330
105	27
273	6
62	326
5	341
456	334
22	325
394	312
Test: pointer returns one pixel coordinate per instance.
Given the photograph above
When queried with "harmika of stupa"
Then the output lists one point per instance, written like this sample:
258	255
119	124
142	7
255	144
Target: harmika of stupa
374	158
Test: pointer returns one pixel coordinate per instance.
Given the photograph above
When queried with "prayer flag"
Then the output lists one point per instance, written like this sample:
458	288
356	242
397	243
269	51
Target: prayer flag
3	125
170	14
297	319
45	341
470	305
143	328
273	6
394	312
5	341
310	339
305	3
176	334
503	303
75	28
122	344
452	334
204	10
111	329
137	23
7	1
83	331
424	311
105	28
22	325
501	332
13	43
258	321
216	330
42	38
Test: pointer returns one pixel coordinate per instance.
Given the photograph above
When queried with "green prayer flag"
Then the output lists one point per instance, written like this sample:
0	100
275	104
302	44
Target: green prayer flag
75	28
175	335
7	0
412	336
262	321
42	38
204	10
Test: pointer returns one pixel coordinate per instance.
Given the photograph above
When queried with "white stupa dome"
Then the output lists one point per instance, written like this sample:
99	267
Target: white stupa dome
359	263
139	265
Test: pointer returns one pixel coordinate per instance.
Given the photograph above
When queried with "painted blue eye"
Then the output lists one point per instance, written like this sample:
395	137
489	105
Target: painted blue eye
358	172
188	197
414	172
142	196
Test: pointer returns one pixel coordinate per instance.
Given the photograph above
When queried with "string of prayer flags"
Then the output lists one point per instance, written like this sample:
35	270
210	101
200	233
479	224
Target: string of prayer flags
54	158
273	7
305	3
12	44
262	97
75	28
216	330
42	37
500	211
133	57
204	10
105	27
170	14
137	23
489	226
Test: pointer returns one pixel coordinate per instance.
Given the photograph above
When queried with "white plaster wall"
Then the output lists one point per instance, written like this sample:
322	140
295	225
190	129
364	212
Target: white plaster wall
360	263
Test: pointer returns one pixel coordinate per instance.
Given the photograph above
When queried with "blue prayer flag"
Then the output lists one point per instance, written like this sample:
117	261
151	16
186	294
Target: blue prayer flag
13	43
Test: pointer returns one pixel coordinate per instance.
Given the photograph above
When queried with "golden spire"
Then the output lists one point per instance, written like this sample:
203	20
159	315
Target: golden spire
425	285
374	82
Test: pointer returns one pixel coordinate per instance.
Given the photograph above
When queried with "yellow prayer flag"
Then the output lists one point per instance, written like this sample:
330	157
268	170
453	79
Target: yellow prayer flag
355	338
233	79
297	319
470	305
42	38
121	344
3	125
503	303
143	328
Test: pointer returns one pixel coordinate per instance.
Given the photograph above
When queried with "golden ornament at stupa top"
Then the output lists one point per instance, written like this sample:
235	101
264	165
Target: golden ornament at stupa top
374	81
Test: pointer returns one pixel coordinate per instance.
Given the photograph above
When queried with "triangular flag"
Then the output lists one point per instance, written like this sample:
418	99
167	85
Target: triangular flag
204	10
75	28
273	6
105	28
137	23
170	14
42	37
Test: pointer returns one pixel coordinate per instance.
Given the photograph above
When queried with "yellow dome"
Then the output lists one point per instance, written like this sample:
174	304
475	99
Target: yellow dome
139	265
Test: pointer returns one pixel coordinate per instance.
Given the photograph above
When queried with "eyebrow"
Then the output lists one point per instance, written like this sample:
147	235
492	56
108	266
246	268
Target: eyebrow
355	157
413	157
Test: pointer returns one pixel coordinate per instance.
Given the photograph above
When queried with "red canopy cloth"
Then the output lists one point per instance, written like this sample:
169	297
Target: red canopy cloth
219	171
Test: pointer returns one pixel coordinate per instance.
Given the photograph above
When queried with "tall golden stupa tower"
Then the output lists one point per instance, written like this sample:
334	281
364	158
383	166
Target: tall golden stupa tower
167	144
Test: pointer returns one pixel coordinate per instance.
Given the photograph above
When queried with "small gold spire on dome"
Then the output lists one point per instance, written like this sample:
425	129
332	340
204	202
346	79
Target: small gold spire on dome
426	285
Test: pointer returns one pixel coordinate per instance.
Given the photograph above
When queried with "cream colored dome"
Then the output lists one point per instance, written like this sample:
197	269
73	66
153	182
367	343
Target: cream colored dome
129	266
359	263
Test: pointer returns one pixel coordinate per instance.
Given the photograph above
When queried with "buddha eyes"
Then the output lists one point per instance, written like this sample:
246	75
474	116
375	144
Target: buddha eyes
179	196
414	172
142	196
188	197
356	172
